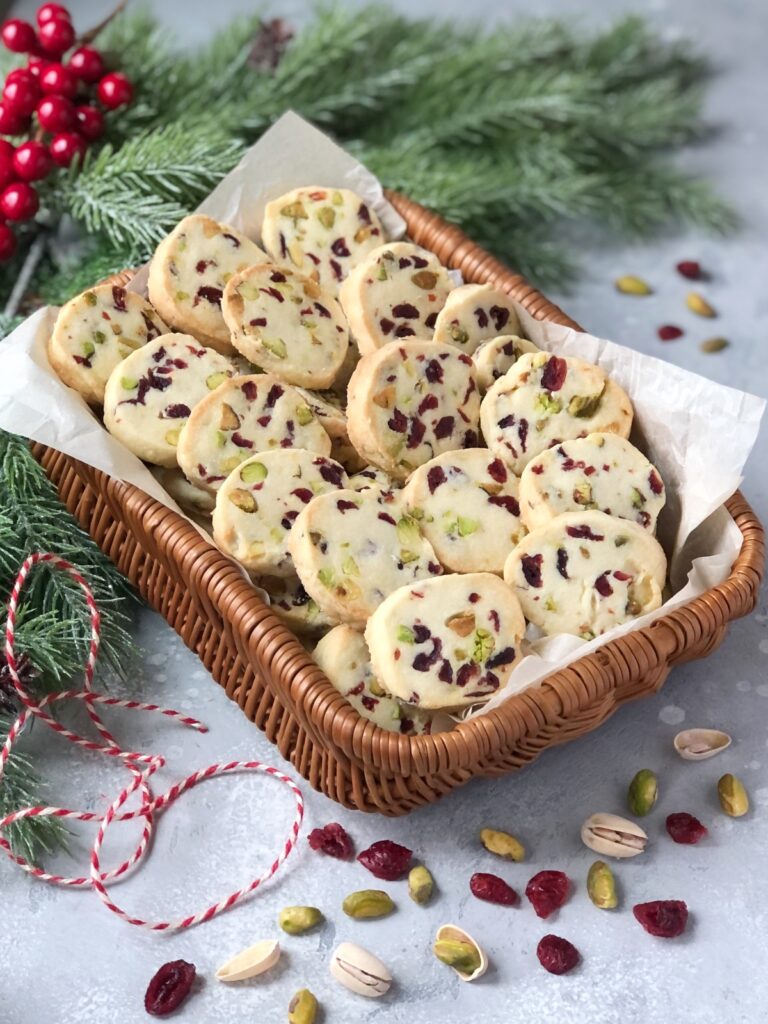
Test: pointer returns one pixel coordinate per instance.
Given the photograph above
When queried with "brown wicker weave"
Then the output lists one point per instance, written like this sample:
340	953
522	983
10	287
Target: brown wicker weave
265	669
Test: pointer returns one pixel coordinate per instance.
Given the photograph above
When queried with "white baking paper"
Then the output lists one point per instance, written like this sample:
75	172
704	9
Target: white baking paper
698	433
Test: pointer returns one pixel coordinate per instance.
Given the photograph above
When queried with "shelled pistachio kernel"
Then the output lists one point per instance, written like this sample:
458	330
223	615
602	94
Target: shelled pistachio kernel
420	884
733	796
297	920
502	844
368	903
462	956
643	792
629	284
302	1009
601	886
699	305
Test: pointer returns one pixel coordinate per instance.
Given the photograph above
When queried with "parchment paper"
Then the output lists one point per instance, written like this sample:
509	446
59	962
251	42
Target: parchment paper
698	433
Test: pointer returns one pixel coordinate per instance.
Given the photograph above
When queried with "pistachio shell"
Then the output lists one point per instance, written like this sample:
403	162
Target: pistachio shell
613	836
360	971
250	962
451	933
699	744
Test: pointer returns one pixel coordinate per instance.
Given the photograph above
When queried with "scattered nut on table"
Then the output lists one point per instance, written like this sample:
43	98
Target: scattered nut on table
250	962
613	836
360	971
699	744
456	948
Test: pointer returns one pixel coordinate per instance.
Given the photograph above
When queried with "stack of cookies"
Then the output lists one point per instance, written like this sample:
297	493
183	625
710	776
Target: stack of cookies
410	479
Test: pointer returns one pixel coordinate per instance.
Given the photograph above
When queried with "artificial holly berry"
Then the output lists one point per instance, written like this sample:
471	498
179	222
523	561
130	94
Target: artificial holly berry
21	92
18	35
56	36
87	63
11	123
115	90
7	243
32	161
19	201
57	80
49	12
90	122
36	65
66	146
7	173
56	114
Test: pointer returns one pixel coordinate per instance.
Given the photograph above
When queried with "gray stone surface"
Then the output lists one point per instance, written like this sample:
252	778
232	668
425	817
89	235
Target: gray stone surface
64	959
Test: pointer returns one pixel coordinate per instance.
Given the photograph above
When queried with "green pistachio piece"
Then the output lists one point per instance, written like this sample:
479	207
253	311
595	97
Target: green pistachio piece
482	646
405	635
733	796
337	199
297	920
327	216
408	531
550	604
425	279
349	567
547	403
458	335
99	337
276	346
382	275
621	541
304	415
407	556
584	406
243	500
303	1008
643	792
90	298
128	383
420	885
376	688
467	526
462	956
294	210
502	844
253	473
248	291
638	498
582	494
367	903
88	349
326	577
221	438
601	886
182	296
213	380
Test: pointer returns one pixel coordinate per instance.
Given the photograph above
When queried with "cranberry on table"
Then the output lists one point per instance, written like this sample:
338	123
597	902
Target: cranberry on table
56	36
56	114
67	146
18	35
87	63
11	123
57	80
169	988
21	92
7	242
332	840
32	161
690	269
90	122
547	891
493	889
664	918
557	955
19	201
114	90
386	859
684	828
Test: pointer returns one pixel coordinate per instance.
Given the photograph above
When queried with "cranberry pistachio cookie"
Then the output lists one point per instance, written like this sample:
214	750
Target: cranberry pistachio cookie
395	293
189	498
292	604
410	402
150	395
343	655
95	331
245	415
448	642
352	548
259	502
585	572
371	477
329	410
282	322
466	503
602	471
322	232
545	399
188	274
493	358
472	314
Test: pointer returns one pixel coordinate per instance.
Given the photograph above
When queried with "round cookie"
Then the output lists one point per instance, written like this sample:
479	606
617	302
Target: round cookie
150	395
189	498
585	572
343	655
330	412
493	358
292	604
600	471
474	313
242	416
323	232
259	502
371	477
410	402
395	293
545	399
282	322
466	503
352	548
95	331
188	274
448	642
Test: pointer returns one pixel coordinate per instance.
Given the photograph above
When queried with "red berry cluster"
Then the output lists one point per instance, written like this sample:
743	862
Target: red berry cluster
55	92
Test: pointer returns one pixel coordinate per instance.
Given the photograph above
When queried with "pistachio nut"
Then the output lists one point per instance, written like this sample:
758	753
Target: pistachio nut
368	903
502	844
302	1009
699	744
250	962
699	305
629	284
297	920
733	796
360	971
710	345
420	884
458	950
601	886
613	836
643	792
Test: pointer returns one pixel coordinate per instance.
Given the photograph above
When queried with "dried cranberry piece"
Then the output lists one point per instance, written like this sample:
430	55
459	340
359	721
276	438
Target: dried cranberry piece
339	248
444	427
669	332
522	432
583	533
417	432
398	421
435	477
118	298
364	214
273	394
210	294
665	918
500	317
503	657
386	325
492	889
690	269
557	955
547	891
684	828
562	563
322	310
386	518
482	317
497	471
404	331
241	442
654	480
505	501
250	390
433	371
430	320
176	412
602	586
169	988
345	506
331	474
427	403
276	277
532	569
386	859
405	311
332	840
553	377
421	633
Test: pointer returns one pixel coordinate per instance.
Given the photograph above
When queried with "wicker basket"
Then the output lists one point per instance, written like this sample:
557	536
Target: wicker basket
265	669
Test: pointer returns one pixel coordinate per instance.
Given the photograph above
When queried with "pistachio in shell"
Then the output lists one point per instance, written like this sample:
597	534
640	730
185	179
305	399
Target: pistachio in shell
733	796
699	744
601	886
612	836
456	948
502	844
643	792
360	971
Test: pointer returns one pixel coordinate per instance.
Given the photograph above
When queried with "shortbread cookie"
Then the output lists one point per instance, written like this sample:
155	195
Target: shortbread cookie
585	572
466	503
95	331
600	471
322	232
545	399
410	402
189	498
243	416
259	502
371	477
446	643
474	313
188	274
343	655
330	412
493	358
352	548
282	322
395	293
151	394
292	604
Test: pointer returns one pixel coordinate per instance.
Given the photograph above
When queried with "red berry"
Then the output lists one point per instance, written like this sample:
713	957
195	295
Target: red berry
668	332
690	269
56	80
332	840
12	123
18	36
547	891
169	988
66	146
36	65
386	859
32	161
7	243
7	173
48	12
87	63
556	955
684	828
665	918
114	90
21	92
19	201
493	889
90	122
56	114
56	36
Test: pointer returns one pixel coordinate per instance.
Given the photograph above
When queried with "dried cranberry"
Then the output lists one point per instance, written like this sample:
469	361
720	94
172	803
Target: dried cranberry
553	377
547	891
273	394
655	482
427	403
532	569
332	840
583	533
210	294
684	828
331	474
505	501
503	657
690	269
497	471
557	955
345	506
665	918
405	311
500	317
562	563
417	432
176	412
433	371
669	332
444	427
435	478
118	298
339	248
493	889
169	988
398	421
241	442
386	860
386	325
602	586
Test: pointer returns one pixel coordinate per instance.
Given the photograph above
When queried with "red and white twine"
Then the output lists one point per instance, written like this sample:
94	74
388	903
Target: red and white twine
141	766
